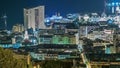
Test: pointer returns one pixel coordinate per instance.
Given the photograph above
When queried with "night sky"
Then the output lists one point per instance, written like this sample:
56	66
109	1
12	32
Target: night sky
14	8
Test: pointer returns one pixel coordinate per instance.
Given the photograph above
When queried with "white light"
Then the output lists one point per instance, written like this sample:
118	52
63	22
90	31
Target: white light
34	41
117	8
117	3
109	4
113	4
119	26
47	20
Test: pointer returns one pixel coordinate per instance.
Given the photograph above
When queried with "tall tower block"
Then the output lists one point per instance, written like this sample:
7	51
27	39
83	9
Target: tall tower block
113	6
34	18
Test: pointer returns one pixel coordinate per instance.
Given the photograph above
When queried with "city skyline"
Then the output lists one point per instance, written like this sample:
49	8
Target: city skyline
60	34
14	9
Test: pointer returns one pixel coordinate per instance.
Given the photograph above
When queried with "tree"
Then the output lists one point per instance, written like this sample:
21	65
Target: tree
8	61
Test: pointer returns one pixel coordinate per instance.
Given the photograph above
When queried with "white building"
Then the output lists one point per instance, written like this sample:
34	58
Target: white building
34	18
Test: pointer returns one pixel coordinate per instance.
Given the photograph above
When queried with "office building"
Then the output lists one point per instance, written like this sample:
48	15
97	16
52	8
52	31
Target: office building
113	6
34	18
18	28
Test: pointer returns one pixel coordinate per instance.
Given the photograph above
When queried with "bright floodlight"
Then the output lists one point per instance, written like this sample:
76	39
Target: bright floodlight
113	4
47	20
109	4
117	3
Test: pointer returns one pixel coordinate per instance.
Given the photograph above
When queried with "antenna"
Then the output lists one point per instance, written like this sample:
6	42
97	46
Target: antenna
5	20
105	6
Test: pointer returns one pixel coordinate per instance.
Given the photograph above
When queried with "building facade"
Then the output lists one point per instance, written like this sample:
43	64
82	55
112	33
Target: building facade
34	18
18	28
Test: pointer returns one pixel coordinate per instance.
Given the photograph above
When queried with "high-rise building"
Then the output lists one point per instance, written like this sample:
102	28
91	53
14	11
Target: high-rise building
18	28
113	6
34	18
